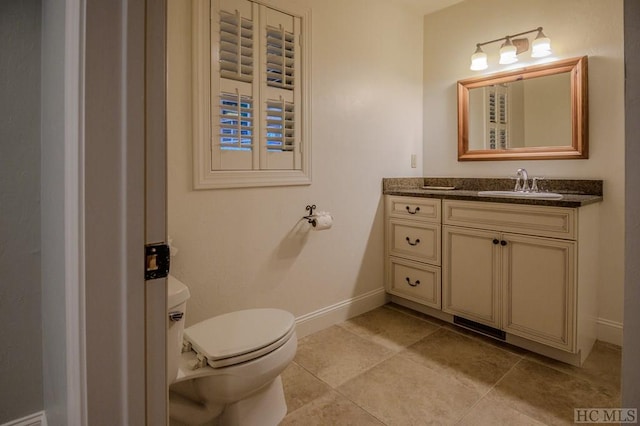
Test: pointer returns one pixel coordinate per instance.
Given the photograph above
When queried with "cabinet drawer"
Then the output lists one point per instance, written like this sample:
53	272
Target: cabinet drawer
415	208
414	281
414	240
555	222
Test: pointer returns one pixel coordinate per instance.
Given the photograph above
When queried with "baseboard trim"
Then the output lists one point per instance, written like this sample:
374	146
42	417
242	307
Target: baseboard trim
338	312
36	419
609	331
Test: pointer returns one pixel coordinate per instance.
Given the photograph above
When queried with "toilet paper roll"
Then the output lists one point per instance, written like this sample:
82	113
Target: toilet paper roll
322	220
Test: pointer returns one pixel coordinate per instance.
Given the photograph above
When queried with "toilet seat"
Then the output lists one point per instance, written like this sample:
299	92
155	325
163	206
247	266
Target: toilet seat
240	336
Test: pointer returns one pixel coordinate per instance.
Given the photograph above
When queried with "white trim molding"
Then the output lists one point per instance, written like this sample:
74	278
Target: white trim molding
74	206
338	312
609	331
35	419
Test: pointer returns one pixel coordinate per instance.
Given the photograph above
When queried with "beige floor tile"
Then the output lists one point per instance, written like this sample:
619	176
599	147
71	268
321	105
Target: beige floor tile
470	361
389	328
336	355
548	395
301	387
439	379
602	367
488	412
401	392
330	409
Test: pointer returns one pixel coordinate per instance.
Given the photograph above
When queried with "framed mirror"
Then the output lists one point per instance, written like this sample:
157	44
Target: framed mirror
538	112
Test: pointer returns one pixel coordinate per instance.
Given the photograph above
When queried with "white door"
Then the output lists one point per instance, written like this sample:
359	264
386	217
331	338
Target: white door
155	210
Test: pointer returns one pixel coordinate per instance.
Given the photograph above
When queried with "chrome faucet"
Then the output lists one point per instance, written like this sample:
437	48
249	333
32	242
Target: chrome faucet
522	174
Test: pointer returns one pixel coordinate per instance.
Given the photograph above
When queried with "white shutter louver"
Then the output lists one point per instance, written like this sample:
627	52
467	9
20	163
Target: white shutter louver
236	46
503	108
492	107
236	122
280	126
280	57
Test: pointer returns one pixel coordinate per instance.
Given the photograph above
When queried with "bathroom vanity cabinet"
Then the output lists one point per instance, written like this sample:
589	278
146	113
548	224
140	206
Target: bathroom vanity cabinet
529	272
413	249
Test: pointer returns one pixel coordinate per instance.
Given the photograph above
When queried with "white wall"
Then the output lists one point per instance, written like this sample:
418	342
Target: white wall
56	393
20	314
247	248
576	28
545	99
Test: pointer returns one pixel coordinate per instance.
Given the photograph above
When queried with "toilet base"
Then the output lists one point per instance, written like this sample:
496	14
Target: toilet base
266	407
263	408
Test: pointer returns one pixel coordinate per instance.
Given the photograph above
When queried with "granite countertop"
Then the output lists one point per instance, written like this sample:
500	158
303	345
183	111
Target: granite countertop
575	193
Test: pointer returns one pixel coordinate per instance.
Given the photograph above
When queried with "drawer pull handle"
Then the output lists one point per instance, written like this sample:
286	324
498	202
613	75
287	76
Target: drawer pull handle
412	284
413	244
416	210
495	241
503	243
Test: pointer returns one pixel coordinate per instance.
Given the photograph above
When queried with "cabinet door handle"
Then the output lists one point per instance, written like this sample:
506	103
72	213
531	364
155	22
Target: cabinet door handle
495	241
412	284
416	210
503	243
413	244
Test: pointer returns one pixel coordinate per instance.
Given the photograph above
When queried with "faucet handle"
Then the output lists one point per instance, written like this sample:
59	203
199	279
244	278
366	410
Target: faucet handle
517	188
534	185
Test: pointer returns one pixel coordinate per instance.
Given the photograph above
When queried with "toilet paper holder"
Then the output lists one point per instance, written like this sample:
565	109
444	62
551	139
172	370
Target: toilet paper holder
320	221
310	217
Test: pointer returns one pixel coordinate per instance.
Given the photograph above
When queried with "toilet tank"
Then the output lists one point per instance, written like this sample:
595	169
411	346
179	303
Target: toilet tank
177	296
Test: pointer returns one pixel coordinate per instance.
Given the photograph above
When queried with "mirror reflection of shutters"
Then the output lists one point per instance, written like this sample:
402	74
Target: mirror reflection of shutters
497	119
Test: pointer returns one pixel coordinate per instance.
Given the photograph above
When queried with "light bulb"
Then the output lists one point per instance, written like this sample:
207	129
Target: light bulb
508	53
541	46
479	60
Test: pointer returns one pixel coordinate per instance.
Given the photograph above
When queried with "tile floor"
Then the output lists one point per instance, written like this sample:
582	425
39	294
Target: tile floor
393	366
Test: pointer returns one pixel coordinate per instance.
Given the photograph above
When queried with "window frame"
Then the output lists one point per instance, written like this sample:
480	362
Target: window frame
205	176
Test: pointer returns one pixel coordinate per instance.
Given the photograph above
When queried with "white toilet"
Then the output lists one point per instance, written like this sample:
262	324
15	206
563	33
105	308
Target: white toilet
226	370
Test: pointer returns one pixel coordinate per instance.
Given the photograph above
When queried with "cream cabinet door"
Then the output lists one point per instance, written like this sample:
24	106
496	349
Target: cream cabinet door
539	286
471	274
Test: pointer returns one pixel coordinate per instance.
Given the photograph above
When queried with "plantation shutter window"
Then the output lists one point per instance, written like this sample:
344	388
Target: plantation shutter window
257	110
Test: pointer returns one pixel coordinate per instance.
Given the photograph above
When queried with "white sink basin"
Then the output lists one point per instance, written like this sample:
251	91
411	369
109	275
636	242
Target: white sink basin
513	194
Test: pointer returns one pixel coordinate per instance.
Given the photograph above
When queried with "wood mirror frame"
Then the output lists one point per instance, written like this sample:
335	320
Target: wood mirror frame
577	69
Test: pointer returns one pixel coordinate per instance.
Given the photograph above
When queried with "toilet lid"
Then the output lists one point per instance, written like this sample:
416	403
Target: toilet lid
240	336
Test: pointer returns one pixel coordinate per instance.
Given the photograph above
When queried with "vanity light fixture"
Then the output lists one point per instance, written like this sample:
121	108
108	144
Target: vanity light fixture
512	47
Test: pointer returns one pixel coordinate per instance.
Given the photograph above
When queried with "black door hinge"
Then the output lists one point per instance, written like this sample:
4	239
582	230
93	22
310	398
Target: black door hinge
157	261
